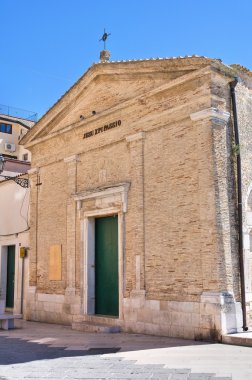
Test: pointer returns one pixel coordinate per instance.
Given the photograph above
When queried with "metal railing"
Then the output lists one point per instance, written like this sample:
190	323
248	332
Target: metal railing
18	112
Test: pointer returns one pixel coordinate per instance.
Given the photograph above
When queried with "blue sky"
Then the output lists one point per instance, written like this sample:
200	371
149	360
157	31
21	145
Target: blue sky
46	45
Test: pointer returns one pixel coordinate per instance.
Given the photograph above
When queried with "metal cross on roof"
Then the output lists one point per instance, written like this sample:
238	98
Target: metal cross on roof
104	38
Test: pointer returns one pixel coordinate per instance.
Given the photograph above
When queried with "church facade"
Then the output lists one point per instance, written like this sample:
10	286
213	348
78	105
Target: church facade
134	221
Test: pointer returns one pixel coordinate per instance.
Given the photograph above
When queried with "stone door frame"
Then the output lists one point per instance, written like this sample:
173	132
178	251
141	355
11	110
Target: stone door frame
106	202
3	275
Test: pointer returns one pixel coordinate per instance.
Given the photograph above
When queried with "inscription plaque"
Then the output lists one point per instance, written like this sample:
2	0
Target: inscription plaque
105	128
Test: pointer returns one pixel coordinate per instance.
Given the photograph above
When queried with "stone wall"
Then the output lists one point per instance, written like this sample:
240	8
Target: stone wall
178	267
244	110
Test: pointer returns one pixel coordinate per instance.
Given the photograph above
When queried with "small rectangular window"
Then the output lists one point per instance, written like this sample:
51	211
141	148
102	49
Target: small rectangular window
6	128
25	157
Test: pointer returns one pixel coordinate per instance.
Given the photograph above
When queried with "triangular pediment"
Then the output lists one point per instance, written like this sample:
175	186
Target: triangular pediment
106	86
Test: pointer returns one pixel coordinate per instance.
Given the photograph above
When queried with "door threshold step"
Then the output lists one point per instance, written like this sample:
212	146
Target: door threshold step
95	327
97	319
10	316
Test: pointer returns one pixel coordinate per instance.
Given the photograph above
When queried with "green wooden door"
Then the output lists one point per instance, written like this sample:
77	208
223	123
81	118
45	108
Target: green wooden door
106	266
10	276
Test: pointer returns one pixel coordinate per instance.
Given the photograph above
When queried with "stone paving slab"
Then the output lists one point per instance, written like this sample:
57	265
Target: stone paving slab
44	351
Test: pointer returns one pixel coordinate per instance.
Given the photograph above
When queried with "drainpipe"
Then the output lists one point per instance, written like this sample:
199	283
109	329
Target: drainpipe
239	202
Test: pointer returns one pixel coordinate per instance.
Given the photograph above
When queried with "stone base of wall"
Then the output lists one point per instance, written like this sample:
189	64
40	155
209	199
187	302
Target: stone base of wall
51	308
221	313
214	315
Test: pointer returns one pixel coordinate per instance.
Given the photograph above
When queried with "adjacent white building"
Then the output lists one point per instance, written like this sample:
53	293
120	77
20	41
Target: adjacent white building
14	235
14	124
14	210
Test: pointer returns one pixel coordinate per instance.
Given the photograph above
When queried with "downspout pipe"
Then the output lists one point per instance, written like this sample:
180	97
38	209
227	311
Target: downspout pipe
239	203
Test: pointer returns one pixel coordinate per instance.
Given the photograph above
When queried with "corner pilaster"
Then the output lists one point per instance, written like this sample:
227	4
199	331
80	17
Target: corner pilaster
217	213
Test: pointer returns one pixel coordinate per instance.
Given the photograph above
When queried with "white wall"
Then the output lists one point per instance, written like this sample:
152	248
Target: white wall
14	224
14	208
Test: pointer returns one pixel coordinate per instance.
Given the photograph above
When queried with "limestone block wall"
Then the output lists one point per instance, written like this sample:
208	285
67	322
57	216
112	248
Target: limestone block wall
215	314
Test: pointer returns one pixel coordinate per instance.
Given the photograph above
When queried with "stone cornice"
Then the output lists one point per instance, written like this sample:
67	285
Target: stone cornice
73	158
135	137
212	113
33	171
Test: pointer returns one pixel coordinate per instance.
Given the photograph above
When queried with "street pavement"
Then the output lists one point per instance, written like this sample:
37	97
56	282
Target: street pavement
45	351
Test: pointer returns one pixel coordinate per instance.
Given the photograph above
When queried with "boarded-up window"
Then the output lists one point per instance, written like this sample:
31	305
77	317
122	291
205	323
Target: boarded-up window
55	263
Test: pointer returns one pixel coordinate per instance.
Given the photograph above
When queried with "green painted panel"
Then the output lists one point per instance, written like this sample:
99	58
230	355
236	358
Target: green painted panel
10	276
106	266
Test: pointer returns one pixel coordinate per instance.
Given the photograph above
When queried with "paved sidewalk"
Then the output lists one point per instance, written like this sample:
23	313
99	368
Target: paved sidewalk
240	339
43	351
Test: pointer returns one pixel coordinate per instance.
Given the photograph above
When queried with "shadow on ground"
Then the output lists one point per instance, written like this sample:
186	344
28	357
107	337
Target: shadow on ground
13	351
